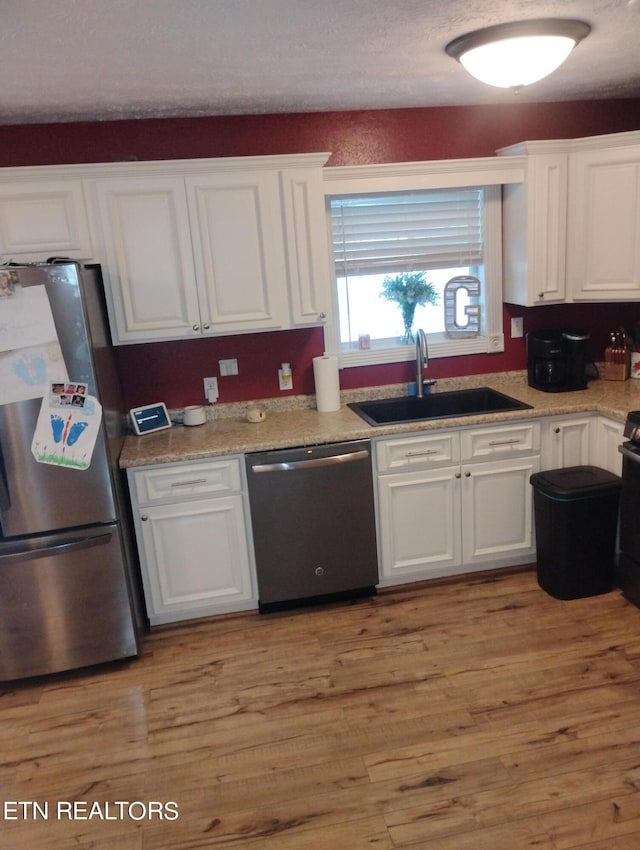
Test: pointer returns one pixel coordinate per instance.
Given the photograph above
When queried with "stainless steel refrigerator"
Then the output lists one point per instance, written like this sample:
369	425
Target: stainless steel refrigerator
69	593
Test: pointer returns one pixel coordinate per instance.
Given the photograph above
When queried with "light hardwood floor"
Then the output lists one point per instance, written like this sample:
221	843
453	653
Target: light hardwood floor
479	714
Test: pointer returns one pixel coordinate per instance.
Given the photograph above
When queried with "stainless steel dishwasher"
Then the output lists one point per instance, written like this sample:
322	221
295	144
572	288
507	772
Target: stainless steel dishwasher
313	519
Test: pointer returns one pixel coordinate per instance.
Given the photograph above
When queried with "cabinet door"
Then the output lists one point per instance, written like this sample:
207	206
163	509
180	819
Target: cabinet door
142	231
497	510
194	558
604	225
43	219
419	524
535	232
238	250
307	246
608	436
566	442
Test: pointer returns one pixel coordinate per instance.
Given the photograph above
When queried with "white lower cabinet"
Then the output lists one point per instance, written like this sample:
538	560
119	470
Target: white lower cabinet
192	534
497	510
439	518
566	441
419	523
582	440
607	436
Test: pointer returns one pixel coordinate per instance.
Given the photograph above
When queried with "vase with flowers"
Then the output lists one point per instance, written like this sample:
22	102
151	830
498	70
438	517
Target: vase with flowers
409	290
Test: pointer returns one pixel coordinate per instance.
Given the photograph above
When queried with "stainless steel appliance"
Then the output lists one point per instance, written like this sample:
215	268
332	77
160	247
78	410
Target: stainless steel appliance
312	512
557	360
628	570
68	592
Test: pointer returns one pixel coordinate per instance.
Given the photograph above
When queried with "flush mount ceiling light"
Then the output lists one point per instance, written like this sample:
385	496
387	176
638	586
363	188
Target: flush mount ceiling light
517	54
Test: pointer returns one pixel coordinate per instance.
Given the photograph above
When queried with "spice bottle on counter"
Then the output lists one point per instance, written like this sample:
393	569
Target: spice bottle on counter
616	357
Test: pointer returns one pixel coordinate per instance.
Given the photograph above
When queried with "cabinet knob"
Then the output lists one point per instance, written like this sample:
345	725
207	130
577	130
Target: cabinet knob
195	328
206	326
322	316
467	475
556	430
541	295
319	571
144	518
458	475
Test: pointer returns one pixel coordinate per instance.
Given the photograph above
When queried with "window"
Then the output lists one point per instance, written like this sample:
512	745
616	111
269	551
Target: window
445	232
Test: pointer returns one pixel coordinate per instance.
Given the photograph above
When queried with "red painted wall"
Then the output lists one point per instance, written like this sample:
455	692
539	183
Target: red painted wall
174	371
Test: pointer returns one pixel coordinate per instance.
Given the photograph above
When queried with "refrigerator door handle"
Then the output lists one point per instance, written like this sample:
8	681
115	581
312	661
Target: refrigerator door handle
5	501
30	554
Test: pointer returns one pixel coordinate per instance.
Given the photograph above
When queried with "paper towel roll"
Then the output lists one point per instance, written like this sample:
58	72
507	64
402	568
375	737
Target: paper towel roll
325	375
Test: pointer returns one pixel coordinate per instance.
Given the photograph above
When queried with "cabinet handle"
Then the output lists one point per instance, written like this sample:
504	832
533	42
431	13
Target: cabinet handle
322	315
556	430
424	453
458	475
195	328
505	442
206	326
144	517
541	295
191	483
467	475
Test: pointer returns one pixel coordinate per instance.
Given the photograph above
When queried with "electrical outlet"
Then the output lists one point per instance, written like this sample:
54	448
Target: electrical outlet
517	330
228	367
211	389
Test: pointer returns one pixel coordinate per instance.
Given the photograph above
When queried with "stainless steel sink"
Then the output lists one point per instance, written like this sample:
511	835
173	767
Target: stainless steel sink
394	411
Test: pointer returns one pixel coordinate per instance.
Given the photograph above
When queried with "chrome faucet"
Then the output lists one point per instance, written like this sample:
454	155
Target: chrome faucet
422	360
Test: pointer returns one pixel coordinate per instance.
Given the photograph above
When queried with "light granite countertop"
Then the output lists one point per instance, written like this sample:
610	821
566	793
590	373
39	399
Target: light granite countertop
296	422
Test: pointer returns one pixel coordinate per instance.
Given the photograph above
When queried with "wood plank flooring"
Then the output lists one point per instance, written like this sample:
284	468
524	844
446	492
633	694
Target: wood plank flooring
475	714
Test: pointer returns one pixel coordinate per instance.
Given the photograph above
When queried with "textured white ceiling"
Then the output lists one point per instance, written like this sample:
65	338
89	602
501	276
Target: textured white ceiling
66	60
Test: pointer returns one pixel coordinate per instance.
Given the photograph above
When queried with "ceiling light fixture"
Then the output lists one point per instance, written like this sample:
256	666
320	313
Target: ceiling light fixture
517	54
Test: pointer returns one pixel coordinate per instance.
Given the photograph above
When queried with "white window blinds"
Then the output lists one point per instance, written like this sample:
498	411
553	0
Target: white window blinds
407	231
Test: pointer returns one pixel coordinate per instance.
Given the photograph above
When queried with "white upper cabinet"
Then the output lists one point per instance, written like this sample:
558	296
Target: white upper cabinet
41	218
535	230
208	247
572	229
604	224
307	250
238	249
143	239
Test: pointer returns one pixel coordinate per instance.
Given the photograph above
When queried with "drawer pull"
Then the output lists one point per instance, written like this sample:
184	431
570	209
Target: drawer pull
424	453
192	483
505	442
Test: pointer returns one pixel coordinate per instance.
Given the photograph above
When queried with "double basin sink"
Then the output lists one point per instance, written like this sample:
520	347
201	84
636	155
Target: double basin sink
396	411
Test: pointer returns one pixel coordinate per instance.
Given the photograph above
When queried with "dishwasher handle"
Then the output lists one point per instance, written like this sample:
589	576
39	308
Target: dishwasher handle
311	463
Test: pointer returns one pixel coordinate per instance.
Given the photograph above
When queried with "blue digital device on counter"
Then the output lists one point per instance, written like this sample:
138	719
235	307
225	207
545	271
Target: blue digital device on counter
150	418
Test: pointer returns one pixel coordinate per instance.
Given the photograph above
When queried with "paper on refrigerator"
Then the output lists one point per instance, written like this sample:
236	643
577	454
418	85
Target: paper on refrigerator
67	427
30	354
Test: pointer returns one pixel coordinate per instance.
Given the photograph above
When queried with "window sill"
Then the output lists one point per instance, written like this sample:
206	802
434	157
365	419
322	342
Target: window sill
439	346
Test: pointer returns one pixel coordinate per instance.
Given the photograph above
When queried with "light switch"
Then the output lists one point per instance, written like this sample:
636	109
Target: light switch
228	367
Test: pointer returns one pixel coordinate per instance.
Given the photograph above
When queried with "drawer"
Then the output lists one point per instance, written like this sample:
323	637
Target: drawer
499	440
184	481
418	452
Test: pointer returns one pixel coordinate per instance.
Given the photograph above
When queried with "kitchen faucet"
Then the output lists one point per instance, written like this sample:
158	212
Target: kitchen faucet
422	360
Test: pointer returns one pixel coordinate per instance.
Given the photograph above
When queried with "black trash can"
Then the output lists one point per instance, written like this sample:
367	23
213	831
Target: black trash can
576	521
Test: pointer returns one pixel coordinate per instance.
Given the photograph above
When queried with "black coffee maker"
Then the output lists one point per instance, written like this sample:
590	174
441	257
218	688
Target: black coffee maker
556	360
